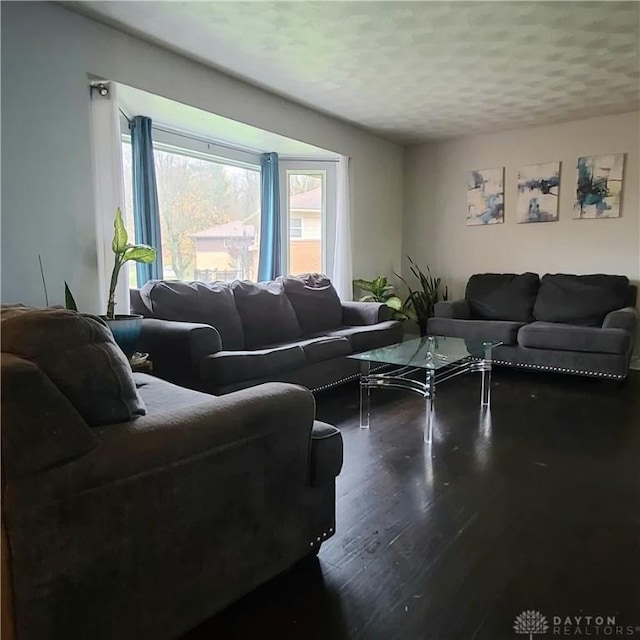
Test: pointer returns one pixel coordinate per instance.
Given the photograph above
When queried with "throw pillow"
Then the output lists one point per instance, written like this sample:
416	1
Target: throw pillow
203	302
315	302
266	313
582	300
79	355
502	296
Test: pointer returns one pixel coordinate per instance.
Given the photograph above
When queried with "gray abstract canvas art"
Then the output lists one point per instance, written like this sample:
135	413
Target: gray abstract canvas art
485	196
538	186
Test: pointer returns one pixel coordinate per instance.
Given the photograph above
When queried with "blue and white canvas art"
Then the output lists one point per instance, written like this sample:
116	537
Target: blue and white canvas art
538	186
599	186
485	196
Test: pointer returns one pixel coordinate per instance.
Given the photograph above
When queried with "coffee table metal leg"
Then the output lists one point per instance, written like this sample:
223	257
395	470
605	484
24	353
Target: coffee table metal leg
365	394
430	392
486	377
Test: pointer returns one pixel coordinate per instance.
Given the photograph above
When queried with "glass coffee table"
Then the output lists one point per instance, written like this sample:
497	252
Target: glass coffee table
420	364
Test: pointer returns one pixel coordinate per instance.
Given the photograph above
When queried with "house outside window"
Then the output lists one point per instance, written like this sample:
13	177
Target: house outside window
295	228
209	214
306	212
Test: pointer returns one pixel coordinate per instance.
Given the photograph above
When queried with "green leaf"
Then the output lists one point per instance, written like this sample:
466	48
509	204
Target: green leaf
139	253
365	285
411	314
69	301
380	283
395	303
120	239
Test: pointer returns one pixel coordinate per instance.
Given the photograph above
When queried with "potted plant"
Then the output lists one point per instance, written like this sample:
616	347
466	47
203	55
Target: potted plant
421	301
125	328
379	290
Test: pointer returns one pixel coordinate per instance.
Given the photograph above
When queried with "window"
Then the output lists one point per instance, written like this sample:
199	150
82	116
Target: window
308	203
209	214
209	208
295	228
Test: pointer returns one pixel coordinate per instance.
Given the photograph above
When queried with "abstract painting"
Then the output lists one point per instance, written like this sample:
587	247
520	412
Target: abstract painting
538	192
599	186
485	196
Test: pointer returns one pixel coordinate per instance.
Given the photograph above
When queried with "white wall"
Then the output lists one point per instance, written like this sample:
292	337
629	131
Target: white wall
434	227
47	193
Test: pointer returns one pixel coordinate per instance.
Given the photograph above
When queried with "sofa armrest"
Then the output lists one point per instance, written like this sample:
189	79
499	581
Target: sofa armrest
621	319
365	313
458	309
269	424
177	348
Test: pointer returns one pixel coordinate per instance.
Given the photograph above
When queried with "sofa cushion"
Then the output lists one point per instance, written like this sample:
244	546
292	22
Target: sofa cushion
326	453
475	330
204	303
365	337
315	302
230	367
162	397
322	348
266	313
583	300
567	337
502	296
79	355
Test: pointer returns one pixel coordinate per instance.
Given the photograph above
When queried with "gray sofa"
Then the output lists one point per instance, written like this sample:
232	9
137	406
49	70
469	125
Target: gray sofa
219	337
135	509
579	324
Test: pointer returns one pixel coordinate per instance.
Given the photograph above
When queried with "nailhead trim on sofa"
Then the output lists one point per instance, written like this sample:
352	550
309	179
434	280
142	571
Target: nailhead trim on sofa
539	367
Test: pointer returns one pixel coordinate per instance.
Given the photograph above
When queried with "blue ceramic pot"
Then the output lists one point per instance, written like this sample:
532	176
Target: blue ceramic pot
126	332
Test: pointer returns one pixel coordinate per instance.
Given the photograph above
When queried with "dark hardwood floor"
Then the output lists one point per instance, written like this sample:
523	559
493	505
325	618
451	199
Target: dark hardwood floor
535	507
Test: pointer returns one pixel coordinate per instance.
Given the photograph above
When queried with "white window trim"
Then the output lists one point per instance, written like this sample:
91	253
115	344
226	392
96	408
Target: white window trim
215	151
210	148
204	149
329	200
200	150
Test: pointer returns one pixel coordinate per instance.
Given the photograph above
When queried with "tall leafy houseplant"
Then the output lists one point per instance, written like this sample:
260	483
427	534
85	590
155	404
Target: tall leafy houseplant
379	290
421	301
125	328
124	252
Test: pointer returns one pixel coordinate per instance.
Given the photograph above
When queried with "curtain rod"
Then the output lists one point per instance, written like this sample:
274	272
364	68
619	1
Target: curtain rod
125	116
210	141
250	150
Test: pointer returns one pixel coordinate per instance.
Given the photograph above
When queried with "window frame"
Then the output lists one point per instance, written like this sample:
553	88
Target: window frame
288	166
190	144
200	149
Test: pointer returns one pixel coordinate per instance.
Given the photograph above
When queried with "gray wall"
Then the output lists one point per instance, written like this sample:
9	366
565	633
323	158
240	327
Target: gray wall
48	52
435	230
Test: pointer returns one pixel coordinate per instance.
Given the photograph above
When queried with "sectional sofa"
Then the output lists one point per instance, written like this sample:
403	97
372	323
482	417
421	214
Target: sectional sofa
219	337
579	324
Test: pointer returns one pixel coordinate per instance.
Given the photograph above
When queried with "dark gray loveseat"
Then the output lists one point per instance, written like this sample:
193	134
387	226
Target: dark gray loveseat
219	337
133	509
580	324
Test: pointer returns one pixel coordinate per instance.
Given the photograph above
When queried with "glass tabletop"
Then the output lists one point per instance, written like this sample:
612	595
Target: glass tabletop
429	352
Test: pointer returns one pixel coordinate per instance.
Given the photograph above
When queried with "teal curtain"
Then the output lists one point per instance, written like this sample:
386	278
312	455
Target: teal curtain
146	213
270	264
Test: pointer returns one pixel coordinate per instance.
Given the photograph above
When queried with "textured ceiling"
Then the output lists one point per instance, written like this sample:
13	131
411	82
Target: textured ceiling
412	71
